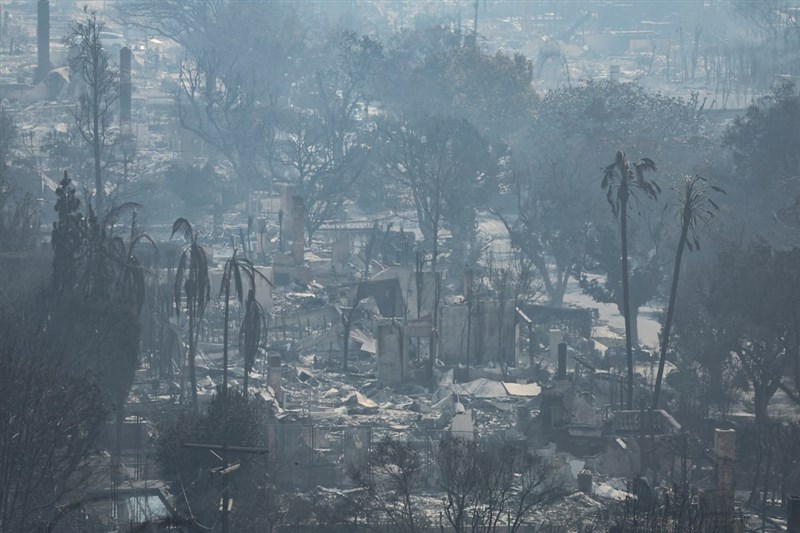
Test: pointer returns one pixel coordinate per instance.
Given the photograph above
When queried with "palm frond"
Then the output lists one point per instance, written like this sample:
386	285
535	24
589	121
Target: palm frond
182	226
250	334
237	278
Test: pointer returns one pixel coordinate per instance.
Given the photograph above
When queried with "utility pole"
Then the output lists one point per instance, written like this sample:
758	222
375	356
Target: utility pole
226	469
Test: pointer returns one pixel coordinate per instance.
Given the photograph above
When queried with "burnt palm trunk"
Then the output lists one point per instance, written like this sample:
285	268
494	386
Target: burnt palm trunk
626	310
225	341
245	381
192	348
673	295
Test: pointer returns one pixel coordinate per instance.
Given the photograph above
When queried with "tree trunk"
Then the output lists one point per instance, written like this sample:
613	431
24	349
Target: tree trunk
673	295
98	183
345	340
634	312
192	348
225	338
625	301
760	404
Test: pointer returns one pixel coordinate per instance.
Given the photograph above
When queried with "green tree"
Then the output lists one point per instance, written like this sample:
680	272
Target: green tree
765	185
191	281
695	208
623	181
748	304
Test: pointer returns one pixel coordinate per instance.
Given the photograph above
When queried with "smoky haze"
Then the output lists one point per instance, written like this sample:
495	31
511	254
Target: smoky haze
399	265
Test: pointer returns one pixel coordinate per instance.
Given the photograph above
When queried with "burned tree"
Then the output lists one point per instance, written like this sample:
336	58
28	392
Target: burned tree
552	227
191	281
395	477
622	181
488	484
695	208
240	272
447	169
52	412
94	113
325	140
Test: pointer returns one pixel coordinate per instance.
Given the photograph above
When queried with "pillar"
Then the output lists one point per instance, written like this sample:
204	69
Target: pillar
793	513
613	73
288	192
585	479
392	359
42	40
298	225
555	340
724	457
275	376
562	361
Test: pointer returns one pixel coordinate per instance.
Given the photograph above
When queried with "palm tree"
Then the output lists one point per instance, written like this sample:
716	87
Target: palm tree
191	280
236	269
623	181
250	336
694	208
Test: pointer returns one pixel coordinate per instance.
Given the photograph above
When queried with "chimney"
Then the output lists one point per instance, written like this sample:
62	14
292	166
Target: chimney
275	376
42	40
555	339
585	478
562	361
288	192
125	87
613	73
298	225
724	457
793	513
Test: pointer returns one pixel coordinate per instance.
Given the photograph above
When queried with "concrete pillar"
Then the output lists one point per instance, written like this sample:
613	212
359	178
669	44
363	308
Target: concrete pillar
555	340
391	353
613	73
585	479
42	40
562	361
275	376
724	457
186	145
288	192
793	513
298	225
125	87
341	250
